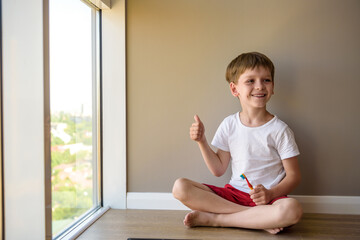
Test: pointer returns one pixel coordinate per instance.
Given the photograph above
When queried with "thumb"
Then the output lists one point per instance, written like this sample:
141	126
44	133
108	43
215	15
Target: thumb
197	119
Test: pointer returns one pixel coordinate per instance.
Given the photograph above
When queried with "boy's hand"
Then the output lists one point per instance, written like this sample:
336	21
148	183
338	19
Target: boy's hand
260	195
197	130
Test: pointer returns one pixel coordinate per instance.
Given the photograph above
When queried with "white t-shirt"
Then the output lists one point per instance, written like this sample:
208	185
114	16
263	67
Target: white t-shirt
256	151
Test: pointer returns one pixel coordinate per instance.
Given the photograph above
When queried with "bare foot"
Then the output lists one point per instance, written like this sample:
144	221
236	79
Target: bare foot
274	230
197	218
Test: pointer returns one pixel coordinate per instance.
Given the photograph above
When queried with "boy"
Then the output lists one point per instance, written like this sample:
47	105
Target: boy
258	144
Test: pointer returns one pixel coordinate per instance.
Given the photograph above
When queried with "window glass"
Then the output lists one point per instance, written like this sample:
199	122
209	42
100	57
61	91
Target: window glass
74	112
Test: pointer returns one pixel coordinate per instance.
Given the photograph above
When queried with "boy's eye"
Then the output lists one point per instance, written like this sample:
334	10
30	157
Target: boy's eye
267	80
250	81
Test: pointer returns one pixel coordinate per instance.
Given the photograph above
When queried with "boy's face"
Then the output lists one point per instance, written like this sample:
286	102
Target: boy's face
254	87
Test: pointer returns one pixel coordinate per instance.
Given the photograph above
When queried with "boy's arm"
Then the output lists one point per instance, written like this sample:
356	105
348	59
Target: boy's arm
261	195
217	162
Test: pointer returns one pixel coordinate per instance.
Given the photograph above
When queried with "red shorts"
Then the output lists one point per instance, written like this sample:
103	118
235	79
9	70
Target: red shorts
236	196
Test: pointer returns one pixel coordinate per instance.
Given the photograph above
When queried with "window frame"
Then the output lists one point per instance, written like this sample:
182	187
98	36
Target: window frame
25	46
1	137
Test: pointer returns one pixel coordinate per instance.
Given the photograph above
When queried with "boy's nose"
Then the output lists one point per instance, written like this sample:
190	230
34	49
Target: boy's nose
259	85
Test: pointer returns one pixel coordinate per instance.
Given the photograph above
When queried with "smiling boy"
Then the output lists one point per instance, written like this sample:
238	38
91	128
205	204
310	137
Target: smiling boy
256	143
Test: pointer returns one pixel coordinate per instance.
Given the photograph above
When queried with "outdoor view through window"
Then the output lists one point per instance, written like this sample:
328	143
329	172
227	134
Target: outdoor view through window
74	112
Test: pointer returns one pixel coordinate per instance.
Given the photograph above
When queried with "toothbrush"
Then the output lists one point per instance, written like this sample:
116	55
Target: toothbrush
245	178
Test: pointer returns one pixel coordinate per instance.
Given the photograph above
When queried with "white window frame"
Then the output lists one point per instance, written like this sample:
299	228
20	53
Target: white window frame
23	116
1	139
114	105
25	72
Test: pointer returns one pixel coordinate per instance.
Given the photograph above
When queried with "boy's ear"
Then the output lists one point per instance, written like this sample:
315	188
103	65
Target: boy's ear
233	90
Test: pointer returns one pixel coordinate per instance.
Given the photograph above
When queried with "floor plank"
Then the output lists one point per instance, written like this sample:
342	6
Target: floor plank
124	224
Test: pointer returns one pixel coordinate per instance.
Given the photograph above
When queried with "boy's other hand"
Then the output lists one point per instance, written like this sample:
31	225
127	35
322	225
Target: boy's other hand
260	195
197	130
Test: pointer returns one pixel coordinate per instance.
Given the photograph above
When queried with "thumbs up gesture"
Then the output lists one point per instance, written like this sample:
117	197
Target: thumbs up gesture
197	130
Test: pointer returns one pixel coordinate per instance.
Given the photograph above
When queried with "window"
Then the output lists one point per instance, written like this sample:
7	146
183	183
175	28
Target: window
75	112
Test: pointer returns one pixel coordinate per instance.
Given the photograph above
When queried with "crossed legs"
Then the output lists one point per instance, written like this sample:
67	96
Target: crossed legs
213	210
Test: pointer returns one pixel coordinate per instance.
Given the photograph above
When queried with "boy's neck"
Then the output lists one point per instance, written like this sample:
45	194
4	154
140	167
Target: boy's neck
255	117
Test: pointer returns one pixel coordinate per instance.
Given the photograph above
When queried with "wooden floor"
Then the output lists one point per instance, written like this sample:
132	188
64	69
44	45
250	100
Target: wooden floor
124	224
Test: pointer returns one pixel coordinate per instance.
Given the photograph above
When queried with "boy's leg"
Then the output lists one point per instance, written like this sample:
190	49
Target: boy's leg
283	213
199	197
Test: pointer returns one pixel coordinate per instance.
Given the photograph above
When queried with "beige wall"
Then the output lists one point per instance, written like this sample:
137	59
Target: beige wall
177	52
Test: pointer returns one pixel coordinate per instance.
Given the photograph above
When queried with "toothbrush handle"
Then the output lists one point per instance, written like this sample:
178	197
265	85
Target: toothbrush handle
249	184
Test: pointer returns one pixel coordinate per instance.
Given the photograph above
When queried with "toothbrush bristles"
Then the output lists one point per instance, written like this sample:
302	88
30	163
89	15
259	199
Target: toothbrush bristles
245	178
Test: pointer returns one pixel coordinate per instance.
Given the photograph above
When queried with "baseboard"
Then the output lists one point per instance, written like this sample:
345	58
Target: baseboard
330	204
151	200
311	204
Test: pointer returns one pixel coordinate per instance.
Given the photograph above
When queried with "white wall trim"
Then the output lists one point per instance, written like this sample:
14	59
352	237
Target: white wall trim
151	200
114	105
311	204
23	119
330	204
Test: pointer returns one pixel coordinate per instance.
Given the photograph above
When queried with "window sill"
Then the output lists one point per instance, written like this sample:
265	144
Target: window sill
78	229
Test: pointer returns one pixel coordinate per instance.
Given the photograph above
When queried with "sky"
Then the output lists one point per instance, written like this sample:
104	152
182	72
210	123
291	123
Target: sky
70	57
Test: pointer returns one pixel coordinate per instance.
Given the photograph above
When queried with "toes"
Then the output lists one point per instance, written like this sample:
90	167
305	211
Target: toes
188	219
274	230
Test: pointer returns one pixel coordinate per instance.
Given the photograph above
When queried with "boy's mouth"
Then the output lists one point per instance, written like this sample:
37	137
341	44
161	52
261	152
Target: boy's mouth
258	95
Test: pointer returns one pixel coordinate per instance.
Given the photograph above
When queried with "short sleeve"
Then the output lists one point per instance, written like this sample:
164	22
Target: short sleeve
221	137
287	146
